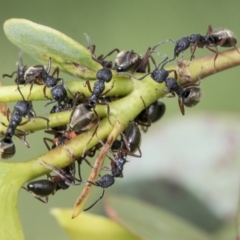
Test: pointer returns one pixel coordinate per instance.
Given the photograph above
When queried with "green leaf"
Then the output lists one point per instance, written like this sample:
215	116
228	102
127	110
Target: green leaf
42	42
232	229
90	227
150	222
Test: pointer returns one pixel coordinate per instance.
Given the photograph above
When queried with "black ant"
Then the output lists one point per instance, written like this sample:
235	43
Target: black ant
125	60
188	97
150	114
41	189
129	143
215	37
60	138
21	109
40	75
159	74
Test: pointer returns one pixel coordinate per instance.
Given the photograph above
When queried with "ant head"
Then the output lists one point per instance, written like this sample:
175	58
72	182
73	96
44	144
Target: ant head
104	74
181	45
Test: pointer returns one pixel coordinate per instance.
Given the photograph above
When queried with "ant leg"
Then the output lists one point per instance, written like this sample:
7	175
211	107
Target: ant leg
56	170
209	30
193	49
110	53
215	57
31	86
107	91
181	106
56	71
97	199
23	140
228	39
45	140
89	86
44	93
43	200
143	63
10	76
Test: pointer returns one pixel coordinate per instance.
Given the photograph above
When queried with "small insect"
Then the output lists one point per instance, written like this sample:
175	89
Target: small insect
219	37
41	189
125	60
150	114
21	109
40	75
188	97
105	181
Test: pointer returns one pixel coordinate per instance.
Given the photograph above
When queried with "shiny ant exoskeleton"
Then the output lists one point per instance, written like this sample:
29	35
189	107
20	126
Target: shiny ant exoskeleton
128	144
188	97
125	60
41	189
40	75
219	37
150	114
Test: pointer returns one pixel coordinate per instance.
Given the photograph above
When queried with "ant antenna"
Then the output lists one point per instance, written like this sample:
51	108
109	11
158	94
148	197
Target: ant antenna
96	200
90	45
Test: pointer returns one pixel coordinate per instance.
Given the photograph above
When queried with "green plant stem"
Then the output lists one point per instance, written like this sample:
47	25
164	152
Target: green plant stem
122	110
122	87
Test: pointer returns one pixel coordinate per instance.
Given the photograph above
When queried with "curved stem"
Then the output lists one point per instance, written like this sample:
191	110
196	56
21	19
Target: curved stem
62	156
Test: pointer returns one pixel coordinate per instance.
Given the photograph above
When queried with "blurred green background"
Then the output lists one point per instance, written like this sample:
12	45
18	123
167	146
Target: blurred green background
130	25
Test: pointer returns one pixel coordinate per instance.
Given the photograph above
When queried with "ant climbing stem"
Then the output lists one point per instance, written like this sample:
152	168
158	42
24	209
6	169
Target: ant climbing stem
159	72
150	114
